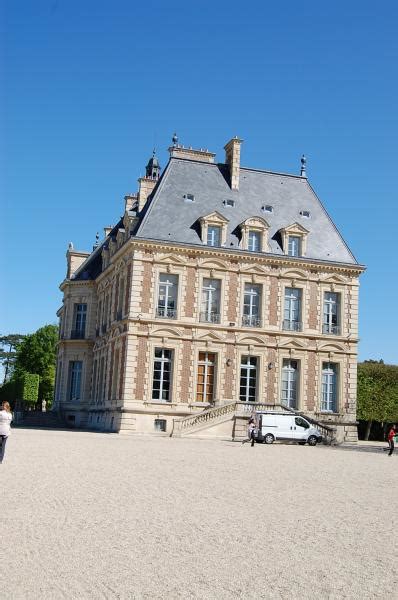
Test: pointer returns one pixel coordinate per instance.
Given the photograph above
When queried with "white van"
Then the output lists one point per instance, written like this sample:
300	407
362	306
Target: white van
285	426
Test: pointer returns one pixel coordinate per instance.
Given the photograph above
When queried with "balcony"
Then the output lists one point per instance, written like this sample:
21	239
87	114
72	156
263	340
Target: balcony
251	321
77	334
331	329
292	325
206	317
166	313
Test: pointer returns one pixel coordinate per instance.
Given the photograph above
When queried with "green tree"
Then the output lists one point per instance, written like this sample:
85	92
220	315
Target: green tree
37	354
8	352
377	397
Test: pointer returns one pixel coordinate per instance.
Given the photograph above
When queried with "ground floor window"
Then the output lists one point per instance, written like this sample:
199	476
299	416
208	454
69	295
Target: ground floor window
329	387
248	378
205	380
162	375
290	370
160	424
75	379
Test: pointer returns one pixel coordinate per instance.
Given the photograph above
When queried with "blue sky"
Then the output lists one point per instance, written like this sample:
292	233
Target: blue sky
88	88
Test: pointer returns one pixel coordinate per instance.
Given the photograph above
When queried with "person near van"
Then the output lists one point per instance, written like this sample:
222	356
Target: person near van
390	438
251	431
5	426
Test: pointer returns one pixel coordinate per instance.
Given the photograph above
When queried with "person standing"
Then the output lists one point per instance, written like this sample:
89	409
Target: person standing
5	426
391	434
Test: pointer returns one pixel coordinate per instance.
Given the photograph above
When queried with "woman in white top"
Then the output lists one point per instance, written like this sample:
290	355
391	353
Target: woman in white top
5	426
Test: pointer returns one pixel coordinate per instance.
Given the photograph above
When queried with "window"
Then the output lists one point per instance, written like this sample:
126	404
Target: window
305	213
205	381
267	208
162	375
254	241
229	202
302	422
75	379
292	311
119	313
248	379
115	379
189	198
331	313
289	383
210	309
167	298
79	321
251	306
160	424
213	235
329	387
294	248
101	381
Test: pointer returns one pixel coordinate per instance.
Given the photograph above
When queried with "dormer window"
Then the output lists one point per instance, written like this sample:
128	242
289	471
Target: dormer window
294	245
229	202
267	208
294	240
189	198
214	229
254	234
305	213
254	241
213	235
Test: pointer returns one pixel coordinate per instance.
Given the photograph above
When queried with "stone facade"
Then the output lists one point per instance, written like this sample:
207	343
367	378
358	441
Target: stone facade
105	372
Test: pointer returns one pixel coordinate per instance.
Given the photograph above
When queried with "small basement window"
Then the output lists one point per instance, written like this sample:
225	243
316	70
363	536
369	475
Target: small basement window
267	208
160	424
189	198
305	213
229	202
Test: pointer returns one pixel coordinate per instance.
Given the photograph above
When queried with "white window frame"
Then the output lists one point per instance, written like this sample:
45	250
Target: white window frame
207	315
214	235
254	240
286	362
330	309
75	380
170	293
248	368
250	319
163	360
288	305
330	387
294	245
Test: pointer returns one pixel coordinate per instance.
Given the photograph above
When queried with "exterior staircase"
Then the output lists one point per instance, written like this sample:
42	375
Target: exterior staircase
230	420
37	419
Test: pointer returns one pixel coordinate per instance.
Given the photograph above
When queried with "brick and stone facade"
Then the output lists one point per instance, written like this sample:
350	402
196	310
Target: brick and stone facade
105	371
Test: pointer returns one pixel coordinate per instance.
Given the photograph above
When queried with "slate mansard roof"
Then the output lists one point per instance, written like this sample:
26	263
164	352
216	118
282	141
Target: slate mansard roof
170	217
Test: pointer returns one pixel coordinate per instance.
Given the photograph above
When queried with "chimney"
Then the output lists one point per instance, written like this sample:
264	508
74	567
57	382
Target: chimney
146	187
107	230
232	158
191	154
129	201
74	260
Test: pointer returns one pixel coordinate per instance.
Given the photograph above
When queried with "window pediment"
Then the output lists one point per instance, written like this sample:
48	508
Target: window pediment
214	229
295	229
294	239
215	218
255	223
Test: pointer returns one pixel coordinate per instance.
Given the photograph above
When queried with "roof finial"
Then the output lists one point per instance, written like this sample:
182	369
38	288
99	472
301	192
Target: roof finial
303	172
175	140
96	241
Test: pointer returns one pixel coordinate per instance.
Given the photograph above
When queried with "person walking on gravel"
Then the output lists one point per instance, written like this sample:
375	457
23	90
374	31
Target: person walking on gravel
5	425
391	434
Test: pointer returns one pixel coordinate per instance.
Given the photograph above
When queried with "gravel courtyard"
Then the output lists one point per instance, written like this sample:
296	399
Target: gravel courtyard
90	515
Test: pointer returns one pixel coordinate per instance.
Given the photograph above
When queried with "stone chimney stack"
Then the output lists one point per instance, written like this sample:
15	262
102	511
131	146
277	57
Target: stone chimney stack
232	158
74	260
146	187
107	230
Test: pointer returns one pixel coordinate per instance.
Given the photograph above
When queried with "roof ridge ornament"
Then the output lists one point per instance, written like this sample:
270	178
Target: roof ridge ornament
303	171
174	139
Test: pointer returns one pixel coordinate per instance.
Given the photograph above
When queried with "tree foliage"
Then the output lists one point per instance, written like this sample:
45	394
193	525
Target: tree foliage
37	354
8	352
377	397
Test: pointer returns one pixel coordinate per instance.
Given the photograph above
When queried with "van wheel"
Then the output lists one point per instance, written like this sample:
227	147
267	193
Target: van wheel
269	438
312	441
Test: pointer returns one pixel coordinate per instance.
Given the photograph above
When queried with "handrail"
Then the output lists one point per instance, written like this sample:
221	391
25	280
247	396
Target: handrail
201	418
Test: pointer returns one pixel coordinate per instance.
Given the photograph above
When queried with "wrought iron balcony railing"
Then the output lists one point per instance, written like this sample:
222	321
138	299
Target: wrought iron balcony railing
206	317
166	313
331	329
77	334
251	321
292	325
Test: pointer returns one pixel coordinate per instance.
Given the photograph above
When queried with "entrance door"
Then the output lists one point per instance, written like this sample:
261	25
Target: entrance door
205	380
